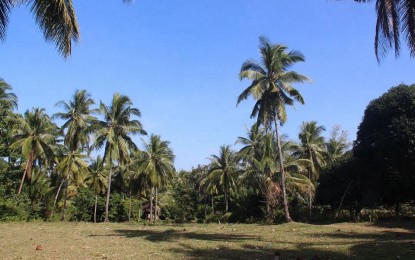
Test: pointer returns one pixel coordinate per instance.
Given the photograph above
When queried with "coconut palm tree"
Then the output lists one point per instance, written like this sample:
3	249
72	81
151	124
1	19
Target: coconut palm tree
272	90
394	17
78	119
157	162
78	126
34	137
223	171
312	147
114	134
73	163
97	180
337	145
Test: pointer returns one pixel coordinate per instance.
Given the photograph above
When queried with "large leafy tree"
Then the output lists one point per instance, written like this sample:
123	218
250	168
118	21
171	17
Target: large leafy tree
114	134
394	18
34	138
156	161
223	171
385	147
272	90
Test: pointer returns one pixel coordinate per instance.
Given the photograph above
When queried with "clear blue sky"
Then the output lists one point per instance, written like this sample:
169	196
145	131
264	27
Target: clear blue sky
179	60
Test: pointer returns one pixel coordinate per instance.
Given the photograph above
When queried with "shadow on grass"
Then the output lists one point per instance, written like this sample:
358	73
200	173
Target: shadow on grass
361	244
173	234
249	251
387	244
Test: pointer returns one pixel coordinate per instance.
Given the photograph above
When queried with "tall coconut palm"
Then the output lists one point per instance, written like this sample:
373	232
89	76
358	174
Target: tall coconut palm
78	126
312	147
394	17
34	137
115	134
97	180
223	170
272	90
157	162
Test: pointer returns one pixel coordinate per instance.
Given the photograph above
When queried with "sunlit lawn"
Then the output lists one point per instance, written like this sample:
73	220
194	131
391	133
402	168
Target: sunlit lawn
212	241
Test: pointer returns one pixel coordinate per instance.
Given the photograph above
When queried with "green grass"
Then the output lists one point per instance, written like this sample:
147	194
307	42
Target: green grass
211	241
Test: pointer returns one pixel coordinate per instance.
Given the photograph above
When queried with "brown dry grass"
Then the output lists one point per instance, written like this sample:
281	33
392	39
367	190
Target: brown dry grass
211	241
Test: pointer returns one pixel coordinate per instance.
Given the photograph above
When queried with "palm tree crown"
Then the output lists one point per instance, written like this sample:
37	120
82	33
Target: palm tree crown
271	85
393	18
78	119
6	97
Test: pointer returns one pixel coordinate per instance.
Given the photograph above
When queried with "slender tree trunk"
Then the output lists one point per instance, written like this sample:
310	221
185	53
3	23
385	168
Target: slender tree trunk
205	208
226	199
284	193
213	203
139	204
107	203
95	208
56	197
27	171
66	196
129	209
155	208
344	195
309	195
151	204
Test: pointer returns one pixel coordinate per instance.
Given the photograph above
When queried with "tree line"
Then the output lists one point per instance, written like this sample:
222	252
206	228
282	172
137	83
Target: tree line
90	169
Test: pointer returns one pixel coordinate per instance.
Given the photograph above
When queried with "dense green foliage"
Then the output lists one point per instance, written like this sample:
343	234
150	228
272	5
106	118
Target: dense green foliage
324	179
385	148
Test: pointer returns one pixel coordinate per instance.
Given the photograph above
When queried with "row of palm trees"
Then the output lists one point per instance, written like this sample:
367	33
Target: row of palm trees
66	150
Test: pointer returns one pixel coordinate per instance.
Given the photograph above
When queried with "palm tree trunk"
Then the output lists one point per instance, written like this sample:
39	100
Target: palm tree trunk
66	196
284	193
309	194
129	209
56	198
226	199
27	171
213	209
205	208
107	203
155	209
151	205
95	208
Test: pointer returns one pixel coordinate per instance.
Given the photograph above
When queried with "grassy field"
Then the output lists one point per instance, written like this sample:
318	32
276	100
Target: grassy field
210	241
